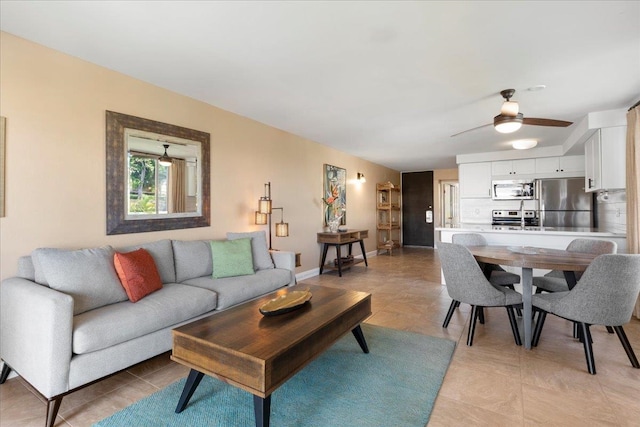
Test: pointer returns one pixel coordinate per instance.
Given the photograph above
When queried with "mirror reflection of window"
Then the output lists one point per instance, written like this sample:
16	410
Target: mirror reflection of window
156	189
148	181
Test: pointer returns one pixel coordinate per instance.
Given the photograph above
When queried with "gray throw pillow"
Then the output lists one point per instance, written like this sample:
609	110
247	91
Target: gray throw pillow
259	250
88	275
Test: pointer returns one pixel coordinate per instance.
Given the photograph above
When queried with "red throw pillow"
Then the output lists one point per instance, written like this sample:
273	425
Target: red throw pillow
138	273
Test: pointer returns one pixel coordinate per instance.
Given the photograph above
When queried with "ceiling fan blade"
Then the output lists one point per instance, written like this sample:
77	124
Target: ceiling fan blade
469	130
545	122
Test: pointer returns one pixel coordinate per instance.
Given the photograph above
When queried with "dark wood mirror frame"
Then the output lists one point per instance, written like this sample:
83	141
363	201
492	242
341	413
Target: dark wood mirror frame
117	223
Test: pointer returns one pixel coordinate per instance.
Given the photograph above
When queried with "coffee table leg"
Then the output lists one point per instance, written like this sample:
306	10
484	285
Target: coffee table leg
193	380
262	410
357	332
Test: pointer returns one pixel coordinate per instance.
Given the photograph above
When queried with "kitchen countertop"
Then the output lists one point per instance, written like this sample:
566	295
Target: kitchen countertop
511	229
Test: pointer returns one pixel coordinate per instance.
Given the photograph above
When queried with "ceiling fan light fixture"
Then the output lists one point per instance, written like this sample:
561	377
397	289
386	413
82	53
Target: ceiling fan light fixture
507	124
524	144
509	108
165	160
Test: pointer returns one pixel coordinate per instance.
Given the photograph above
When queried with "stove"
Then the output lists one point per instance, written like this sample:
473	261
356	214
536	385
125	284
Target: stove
505	217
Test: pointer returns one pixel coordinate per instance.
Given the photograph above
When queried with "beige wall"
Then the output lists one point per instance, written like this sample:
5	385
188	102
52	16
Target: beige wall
55	173
440	175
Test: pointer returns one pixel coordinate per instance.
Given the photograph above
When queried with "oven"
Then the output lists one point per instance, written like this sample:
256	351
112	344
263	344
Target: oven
514	218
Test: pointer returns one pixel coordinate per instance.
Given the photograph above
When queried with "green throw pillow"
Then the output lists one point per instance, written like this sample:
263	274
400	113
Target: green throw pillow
231	258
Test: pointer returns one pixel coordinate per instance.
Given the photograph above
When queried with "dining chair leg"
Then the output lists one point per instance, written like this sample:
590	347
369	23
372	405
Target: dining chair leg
542	316
609	329
472	324
514	325
481	315
627	346
518	310
452	308
588	349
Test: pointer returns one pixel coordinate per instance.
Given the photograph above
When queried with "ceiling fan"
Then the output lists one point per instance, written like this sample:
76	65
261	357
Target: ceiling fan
510	119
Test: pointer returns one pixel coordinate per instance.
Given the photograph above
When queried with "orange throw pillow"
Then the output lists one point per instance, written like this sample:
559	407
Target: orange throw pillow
138	273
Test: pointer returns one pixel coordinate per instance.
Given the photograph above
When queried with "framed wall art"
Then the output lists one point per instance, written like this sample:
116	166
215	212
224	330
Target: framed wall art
335	195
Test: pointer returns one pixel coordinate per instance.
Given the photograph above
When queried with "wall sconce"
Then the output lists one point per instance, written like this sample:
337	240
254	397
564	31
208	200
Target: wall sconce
361	178
263	214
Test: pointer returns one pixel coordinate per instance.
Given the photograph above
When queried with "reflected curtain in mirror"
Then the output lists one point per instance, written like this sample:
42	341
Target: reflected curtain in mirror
144	191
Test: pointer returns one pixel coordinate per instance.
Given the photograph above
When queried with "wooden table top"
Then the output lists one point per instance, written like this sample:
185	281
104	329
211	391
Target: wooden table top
258	353
532	257
342	237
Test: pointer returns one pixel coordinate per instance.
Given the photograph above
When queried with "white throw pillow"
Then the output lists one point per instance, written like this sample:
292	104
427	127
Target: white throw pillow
259	250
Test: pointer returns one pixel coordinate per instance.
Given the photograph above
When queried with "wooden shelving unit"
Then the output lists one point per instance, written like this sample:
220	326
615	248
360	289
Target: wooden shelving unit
387	217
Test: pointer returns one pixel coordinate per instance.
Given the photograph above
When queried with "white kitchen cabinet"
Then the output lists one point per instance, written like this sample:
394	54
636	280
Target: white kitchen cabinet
513	167
558	167
604	156
475	180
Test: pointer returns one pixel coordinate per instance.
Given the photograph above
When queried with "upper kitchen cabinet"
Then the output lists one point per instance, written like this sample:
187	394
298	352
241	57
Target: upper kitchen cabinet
511	168
559	167
475	180
604	156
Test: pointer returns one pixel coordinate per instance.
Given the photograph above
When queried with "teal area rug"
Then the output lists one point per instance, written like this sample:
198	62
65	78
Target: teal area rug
396	384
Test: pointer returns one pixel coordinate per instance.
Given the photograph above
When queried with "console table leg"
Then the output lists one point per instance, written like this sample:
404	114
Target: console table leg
193	380
338	252
262	410
324	256
364	253
357	332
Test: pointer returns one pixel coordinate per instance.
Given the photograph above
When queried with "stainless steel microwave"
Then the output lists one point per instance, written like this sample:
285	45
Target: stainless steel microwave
513	189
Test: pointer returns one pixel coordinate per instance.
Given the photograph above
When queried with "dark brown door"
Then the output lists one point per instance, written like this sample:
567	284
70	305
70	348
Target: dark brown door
417	203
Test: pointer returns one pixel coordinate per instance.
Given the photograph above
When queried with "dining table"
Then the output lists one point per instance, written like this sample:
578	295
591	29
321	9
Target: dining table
527	258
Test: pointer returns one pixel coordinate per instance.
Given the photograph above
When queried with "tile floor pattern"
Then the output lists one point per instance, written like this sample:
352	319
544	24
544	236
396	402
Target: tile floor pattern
493	383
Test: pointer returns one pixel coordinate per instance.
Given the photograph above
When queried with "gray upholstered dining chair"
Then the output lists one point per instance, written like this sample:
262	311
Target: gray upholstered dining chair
497	275
555	281
467	284
605	295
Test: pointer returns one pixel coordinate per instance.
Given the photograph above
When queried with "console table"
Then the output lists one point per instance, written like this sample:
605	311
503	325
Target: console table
338	239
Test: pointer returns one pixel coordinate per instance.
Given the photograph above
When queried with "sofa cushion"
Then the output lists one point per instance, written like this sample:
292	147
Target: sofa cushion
117	323
88	275
26	269
162	253
234	290
231	258
138	273
192	259
259	249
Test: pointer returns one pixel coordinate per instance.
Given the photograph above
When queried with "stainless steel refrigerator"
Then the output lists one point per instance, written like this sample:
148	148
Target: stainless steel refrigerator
562	202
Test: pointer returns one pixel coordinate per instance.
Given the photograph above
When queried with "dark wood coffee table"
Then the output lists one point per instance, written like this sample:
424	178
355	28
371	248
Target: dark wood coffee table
259	353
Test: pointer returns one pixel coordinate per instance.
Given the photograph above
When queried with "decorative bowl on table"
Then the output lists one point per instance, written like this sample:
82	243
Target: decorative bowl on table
526	250
285	303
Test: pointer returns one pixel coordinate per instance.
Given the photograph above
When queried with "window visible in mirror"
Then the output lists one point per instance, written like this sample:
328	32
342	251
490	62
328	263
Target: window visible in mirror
156	189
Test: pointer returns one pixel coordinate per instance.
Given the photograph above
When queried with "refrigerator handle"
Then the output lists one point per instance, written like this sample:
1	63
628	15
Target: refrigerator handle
539	202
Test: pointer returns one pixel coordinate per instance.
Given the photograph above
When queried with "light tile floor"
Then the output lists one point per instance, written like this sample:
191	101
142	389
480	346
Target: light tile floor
492	383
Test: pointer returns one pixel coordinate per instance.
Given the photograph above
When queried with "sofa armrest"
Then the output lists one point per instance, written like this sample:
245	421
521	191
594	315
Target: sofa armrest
287	261
36	326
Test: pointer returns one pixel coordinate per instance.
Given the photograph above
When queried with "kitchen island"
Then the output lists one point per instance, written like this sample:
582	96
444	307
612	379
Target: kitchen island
543	237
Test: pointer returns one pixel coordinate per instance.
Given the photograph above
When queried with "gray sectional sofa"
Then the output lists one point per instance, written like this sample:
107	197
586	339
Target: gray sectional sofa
60	330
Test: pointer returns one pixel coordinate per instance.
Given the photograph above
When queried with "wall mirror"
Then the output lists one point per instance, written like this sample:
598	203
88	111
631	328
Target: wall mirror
157	175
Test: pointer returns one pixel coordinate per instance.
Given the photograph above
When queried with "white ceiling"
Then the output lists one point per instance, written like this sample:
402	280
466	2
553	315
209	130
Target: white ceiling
385	81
